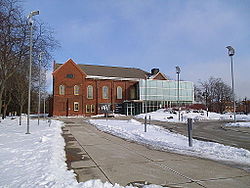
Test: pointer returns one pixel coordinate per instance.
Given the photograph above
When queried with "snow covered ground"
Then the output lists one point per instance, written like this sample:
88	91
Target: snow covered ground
160	138
37	159
163	115
239	124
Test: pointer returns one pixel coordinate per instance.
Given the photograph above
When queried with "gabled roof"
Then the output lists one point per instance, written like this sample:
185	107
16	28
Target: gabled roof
159	74
57	67
108	71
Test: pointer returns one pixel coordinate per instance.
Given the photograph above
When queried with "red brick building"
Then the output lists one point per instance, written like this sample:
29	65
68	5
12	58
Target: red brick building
80	89
91	89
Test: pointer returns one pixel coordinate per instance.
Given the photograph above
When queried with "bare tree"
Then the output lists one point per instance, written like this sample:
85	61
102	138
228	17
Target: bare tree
21	91
216	94
7	100
14	43
198	95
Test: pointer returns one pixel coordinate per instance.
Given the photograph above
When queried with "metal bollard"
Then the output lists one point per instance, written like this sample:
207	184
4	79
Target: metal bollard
190	129
149	119
145	124
49	121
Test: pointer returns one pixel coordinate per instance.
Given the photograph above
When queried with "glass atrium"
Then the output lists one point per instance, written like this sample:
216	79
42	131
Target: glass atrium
164	93
156	94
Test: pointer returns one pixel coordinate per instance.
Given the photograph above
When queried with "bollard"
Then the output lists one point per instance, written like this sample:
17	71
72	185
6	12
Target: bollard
190	129
149	119
20	120
145	124
49	121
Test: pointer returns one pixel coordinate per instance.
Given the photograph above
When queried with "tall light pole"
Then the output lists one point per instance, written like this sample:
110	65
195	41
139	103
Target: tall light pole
146	94
205	94
231	52
178	71
30	21
44	102
44	106
39	81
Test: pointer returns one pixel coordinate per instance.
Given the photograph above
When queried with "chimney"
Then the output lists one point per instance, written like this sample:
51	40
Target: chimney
54	65
154	71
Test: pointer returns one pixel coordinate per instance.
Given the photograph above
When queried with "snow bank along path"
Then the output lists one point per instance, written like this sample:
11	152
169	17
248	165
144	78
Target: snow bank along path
239	124
163	115
38	159
161	138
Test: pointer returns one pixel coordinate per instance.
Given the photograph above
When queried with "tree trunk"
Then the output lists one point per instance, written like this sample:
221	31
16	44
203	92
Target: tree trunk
6	106
4	111
21	110
1	101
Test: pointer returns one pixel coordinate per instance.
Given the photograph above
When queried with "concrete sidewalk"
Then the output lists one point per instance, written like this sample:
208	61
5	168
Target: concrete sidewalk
93	154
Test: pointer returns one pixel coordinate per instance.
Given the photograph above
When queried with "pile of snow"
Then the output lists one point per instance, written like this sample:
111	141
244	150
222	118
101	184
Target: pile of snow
37	159
238	124
77	116
172	116
160	138
33	160
110	115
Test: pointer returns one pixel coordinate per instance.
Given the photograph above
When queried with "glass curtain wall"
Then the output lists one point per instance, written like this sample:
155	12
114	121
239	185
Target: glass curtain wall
164	93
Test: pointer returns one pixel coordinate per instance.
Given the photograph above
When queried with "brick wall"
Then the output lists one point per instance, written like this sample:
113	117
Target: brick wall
63	104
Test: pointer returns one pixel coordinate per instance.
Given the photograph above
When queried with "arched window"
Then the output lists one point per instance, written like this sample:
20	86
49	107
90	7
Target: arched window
90	92
119	92
105	92
61	90
76	90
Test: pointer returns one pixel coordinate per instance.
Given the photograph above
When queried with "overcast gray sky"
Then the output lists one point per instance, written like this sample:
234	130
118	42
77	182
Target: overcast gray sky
154	33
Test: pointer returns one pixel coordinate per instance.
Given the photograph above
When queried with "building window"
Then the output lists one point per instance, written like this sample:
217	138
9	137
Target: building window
76	90
105	92
119	92
69	76
61	90
76	106
88	108
92	108
90	92
132	92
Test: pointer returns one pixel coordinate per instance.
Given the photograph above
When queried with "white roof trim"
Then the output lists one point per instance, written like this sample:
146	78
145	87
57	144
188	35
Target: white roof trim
153	76
112	78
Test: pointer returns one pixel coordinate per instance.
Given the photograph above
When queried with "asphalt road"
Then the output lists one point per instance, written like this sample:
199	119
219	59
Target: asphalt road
214	131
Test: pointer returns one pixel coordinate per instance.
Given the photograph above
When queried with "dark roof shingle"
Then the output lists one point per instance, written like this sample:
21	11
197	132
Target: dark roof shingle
108	71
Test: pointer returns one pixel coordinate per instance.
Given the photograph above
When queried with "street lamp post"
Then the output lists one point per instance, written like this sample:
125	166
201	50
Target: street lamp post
30	21
39	93
231	52
205	94
178	71
44	107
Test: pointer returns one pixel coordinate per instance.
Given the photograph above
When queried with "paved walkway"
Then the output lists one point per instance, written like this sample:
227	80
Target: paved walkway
93	154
